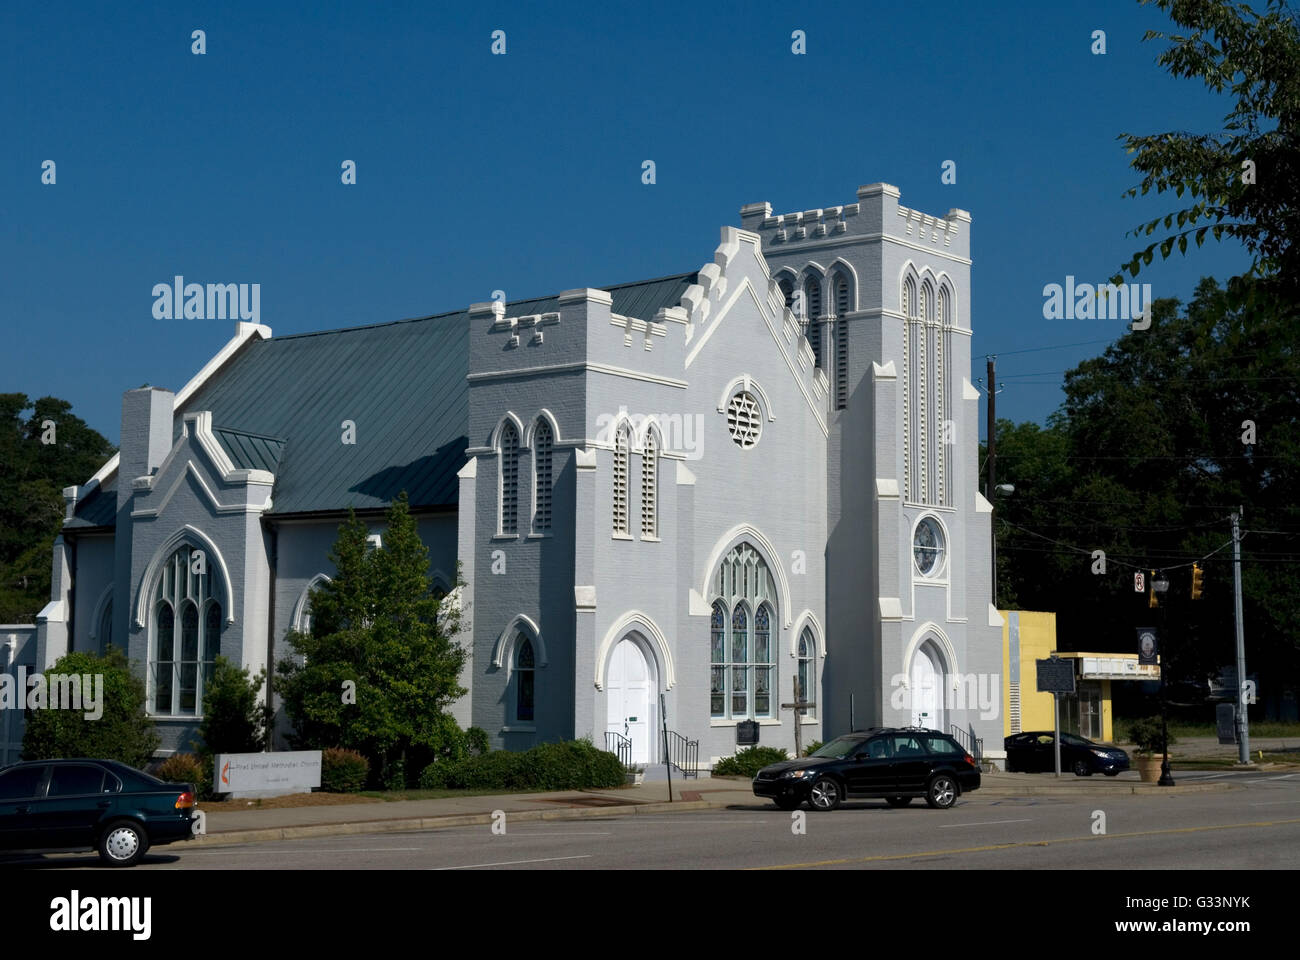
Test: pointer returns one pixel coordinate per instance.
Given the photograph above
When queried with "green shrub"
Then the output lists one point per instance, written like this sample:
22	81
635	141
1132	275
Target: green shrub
234	720
748	762
1147	735
123	732
812	748
572	765
188	768
343	771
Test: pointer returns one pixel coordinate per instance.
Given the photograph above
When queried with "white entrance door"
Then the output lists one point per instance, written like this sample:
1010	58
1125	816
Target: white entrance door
629	698
926	685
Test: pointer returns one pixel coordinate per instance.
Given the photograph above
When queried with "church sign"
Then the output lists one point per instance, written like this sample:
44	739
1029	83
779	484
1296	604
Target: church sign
1055	676
267	773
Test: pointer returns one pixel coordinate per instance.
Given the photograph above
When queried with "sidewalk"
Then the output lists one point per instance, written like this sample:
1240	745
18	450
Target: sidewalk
228	825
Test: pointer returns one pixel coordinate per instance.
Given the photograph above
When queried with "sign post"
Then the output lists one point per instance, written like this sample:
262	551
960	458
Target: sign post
1056	676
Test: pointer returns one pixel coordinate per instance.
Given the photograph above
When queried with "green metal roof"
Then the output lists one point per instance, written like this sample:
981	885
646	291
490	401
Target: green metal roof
402	385
250	451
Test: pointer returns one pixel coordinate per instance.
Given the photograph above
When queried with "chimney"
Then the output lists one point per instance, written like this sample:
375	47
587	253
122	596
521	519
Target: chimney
146	434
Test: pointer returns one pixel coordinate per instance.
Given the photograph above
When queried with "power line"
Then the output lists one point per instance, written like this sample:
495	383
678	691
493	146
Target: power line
1059	346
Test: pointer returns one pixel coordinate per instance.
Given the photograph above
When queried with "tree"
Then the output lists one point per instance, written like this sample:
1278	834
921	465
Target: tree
381	662
1243	182
234	720
123	732
40	454
1157	441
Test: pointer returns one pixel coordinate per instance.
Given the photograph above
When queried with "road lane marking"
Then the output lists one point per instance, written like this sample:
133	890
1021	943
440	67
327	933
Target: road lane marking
1286	777
1022	843
1273	803
983	823
511	863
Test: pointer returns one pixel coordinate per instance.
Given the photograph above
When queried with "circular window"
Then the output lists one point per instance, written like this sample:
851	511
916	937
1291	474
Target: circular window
744	419
927	547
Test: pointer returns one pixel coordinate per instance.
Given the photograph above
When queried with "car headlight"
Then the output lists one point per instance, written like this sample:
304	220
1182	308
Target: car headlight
795	774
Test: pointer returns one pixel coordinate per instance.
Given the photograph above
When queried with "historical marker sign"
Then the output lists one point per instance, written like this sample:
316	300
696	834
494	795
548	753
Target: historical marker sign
747	733
1055	676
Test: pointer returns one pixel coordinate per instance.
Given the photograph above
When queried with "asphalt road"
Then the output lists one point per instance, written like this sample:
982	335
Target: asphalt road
1257	826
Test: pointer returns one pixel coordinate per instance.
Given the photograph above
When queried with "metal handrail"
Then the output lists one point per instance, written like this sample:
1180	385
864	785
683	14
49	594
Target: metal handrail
683	754
972	744
618	744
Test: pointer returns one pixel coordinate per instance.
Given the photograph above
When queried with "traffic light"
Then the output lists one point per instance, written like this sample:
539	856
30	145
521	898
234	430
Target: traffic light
1151	591
1198	576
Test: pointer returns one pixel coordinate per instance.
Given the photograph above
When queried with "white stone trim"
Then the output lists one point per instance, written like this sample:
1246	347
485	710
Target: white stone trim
771	557
747	383
300	608
195	537
808	619
504	646
635	620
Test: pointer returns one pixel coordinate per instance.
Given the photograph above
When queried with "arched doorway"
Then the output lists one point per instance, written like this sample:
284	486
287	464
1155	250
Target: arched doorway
628	697
927	689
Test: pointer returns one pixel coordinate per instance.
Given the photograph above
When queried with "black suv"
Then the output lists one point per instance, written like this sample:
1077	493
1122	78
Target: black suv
896	763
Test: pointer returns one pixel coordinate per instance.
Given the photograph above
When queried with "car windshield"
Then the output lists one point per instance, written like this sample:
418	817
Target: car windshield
1075	741
837	749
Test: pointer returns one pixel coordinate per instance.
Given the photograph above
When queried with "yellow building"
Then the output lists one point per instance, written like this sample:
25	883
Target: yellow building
1029	636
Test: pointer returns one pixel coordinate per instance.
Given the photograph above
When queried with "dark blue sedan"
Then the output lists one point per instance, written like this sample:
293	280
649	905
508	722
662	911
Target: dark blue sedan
1036	753
72	805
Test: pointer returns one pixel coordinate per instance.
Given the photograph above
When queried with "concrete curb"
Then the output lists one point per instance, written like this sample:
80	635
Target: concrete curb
271	834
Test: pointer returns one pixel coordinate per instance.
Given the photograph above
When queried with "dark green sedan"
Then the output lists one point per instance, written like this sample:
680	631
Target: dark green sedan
71	805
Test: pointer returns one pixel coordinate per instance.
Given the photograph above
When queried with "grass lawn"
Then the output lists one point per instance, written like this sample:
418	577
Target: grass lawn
1182	729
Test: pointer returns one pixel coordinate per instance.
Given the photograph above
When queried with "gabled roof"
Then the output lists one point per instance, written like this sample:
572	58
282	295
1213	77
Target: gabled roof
280	404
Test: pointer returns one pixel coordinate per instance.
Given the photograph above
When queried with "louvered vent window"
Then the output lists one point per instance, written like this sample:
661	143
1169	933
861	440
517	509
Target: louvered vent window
650	487
621	445
509	479
543	446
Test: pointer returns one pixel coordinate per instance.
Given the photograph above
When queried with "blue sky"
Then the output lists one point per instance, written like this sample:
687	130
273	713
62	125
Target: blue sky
523	172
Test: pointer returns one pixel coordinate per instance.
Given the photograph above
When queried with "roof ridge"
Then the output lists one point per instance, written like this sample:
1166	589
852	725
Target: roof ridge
458	313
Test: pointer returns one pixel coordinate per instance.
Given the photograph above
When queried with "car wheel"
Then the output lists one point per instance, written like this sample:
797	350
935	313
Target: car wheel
1081	768
1111	773
787	803
825	794
942	792
122	844
898	801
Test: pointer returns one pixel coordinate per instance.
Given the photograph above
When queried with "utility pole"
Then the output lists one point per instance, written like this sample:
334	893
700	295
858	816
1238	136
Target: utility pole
1243	722
991	489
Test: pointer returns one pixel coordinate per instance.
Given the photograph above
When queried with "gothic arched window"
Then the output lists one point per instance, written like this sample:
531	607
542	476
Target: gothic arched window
180	667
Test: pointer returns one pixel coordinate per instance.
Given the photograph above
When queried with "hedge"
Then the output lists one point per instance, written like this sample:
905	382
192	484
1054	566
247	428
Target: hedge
572	765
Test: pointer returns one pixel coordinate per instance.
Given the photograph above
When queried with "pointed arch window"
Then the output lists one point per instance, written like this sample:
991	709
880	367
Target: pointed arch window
525	669
650	486
807	673
787	291
910	399
943	402
105	630
509	478
622	448
543	454
181	665
742	663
